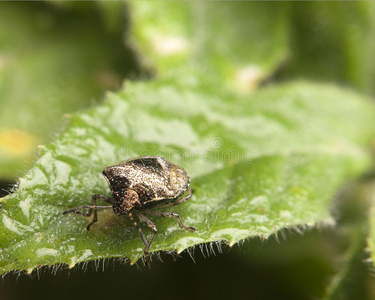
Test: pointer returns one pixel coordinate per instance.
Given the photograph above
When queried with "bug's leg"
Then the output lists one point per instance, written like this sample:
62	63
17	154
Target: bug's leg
92	208
169	215
150	224
76	210
103	198
177	201
142	218
136	225
183	199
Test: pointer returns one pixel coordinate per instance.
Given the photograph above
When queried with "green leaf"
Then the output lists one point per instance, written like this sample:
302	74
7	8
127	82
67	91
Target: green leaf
196	34
51	62
351	276
334	41
371	238
258	164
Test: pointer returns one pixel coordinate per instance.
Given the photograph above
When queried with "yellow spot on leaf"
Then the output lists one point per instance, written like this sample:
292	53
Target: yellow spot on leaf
3	62
249	78
169	45
16	143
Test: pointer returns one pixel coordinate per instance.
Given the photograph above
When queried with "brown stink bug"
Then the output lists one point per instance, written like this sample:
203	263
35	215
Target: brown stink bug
140	185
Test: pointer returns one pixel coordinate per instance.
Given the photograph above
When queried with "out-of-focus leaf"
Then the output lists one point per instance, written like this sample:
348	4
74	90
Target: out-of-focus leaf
52	61
351	208
239	44
334	41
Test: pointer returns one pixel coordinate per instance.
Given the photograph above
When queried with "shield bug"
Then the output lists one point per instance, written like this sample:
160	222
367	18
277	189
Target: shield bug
139	186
